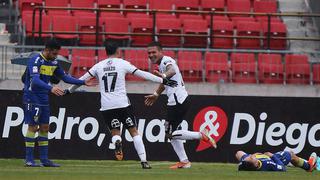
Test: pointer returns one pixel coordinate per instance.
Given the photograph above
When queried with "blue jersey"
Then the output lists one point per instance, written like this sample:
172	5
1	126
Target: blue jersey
38	74
269	164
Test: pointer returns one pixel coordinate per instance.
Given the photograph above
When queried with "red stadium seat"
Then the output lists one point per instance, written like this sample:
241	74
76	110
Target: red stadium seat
27	21
270	68
190	64
102	54
189	5
224	28
80	65
64	52
61	24
269	6
212	5
169	26
184	17
135	4
216	18
243	67
172	54
60	3
82	4
109	4
316	73
248	29
88	24
138	58
236	20
195	27
83	53
116	25
276	30
161	5
28	5
239	6
217	67
141	25
297	69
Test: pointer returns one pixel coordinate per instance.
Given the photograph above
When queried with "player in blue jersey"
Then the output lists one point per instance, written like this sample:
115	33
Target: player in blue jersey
40	69
259	162
273	162
287	157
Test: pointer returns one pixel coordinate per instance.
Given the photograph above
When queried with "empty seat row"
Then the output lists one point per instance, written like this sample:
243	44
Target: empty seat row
269	6
169	31
218	67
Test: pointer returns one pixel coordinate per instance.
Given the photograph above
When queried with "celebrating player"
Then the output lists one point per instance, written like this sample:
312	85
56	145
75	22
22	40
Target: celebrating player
115	105
40	70
178	103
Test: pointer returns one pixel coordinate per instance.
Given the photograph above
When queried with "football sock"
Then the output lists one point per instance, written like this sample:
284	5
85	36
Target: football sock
29	143
116	138
186	135
179	149
138	144
43	145
303	164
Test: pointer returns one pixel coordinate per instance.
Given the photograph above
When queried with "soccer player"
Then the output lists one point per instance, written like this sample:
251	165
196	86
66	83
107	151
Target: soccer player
115	105
273	162
288	156
259	162
177	106
39	71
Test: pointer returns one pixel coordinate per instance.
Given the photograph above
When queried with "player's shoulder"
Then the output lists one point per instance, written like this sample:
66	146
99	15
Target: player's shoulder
167	60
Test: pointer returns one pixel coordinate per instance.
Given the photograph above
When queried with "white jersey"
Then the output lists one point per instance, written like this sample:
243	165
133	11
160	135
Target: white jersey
111	74
178	93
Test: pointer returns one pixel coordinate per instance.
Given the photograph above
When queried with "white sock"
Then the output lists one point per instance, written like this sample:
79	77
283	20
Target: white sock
116	138
179	149
186	135
138	144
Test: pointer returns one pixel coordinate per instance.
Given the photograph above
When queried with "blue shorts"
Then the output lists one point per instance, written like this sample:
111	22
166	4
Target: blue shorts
35	114
284	157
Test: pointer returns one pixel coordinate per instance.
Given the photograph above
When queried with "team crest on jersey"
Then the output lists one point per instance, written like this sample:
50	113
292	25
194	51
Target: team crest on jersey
34	69
109	62
54	62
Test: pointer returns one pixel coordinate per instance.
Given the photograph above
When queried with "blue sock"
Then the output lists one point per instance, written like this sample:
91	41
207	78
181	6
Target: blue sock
43	145
305	165
29	144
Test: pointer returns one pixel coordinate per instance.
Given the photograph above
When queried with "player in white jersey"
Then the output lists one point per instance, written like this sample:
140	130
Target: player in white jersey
115	104
177	106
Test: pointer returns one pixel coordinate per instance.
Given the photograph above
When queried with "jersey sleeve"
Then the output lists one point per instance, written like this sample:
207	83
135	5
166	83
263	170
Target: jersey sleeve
129	68
168	61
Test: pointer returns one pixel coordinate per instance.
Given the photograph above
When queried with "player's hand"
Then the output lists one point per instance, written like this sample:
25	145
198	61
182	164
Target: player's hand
57	91
91	82
157	73
268	154
169	82
150	99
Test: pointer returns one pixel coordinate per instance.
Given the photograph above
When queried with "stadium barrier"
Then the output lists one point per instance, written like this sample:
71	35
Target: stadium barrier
252	124
154	13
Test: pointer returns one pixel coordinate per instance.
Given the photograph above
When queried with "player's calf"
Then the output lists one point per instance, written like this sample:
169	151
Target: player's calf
118	150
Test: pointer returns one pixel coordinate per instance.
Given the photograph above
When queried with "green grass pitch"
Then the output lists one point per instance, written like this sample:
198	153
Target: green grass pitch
131	170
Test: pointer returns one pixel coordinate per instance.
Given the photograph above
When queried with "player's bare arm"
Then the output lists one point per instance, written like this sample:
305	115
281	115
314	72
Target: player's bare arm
151	99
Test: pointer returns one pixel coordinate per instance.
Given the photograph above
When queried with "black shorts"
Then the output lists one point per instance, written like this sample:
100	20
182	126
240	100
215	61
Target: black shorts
176	114
114	118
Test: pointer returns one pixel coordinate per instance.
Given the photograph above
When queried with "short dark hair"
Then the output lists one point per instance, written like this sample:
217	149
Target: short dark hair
111	48
155	43
52	44
246	166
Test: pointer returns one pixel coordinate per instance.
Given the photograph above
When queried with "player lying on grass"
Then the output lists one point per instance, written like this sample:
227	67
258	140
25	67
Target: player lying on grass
273	162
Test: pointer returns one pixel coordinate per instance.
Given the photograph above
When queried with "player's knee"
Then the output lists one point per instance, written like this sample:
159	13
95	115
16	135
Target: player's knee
133	131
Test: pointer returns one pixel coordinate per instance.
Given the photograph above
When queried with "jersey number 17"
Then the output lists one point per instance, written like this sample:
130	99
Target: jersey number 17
113	77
